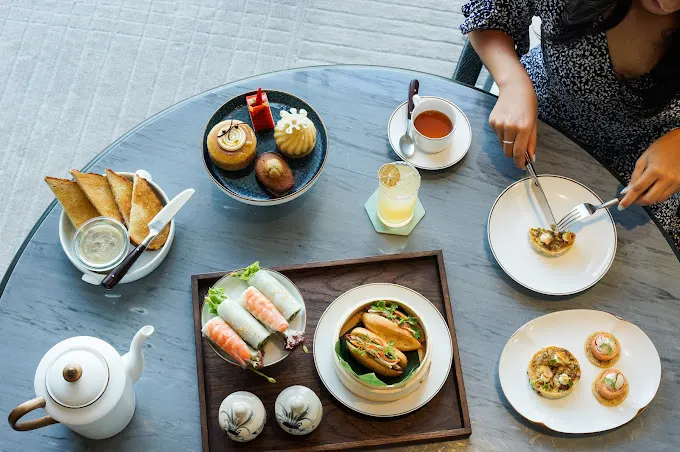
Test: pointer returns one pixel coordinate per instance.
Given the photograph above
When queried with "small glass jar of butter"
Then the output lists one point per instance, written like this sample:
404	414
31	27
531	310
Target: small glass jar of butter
101	243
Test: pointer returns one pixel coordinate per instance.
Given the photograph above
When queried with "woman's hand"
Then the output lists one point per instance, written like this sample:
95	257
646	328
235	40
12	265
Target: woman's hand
514	119
657	173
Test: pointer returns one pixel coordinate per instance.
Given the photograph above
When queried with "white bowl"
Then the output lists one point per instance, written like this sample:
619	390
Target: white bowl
273	350
386	393
147	262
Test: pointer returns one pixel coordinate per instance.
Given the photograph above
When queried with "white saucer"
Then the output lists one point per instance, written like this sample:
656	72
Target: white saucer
517	210
579	412
324	343
462	138
273	350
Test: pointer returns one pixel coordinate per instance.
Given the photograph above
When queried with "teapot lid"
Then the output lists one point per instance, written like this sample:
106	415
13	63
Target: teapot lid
77	377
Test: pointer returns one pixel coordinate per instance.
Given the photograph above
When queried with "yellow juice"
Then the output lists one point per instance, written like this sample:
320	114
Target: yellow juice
398	193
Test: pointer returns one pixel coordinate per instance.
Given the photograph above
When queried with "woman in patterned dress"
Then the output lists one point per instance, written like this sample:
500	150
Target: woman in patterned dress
607	73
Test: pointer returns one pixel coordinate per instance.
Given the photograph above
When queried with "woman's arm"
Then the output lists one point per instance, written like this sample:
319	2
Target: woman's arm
515	116
657	173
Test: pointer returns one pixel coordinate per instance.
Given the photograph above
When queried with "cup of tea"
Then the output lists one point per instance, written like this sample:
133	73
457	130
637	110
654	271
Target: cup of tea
433	123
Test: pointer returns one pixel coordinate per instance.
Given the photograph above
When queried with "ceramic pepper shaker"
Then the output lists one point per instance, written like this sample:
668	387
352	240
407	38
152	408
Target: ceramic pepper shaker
298	410
242	416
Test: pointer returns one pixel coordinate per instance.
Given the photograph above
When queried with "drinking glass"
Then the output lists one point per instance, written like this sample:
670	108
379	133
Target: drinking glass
397	193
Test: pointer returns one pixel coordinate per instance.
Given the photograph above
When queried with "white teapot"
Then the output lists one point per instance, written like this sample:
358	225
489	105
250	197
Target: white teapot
83	383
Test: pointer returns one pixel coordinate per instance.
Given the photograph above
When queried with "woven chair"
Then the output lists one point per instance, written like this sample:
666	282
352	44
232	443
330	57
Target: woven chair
469	67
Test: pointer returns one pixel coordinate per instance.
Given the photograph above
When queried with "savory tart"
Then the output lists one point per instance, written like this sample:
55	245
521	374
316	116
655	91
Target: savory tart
232	145
602	349
610	388
551	243
553	372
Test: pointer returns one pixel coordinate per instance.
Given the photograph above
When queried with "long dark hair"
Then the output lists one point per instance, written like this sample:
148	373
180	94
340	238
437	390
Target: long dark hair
589	17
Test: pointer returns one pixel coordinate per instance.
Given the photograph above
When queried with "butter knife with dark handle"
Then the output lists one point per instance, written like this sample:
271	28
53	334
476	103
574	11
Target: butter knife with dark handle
156	225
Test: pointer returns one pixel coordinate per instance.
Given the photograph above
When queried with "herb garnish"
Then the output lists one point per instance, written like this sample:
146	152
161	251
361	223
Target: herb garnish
214	298
389	312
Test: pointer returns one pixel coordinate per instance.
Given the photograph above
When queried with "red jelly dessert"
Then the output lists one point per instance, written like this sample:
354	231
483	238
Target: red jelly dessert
260	114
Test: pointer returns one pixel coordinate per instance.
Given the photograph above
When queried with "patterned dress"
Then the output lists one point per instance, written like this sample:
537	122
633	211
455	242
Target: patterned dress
581	95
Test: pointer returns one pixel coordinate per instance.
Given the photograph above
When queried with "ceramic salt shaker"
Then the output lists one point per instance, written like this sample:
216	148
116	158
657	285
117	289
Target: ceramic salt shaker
242	416
298	410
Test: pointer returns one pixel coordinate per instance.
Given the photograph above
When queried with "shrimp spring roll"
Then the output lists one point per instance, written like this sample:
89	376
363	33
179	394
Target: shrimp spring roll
263	310
220	333
238	318
287	305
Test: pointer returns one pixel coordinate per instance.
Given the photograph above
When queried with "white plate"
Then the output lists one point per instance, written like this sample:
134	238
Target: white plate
579	412
517	210
273	349
147	262
441	355
462	138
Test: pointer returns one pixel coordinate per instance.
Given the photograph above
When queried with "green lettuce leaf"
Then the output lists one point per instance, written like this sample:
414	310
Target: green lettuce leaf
249	271
356	369
214	298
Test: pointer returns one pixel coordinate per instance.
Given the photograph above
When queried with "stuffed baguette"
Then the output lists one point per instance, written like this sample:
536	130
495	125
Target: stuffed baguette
375	353
393	325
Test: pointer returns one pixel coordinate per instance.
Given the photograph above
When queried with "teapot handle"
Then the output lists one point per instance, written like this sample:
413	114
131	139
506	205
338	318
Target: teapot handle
23	409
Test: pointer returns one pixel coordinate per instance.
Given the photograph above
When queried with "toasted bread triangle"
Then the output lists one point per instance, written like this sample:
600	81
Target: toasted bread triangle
99	193
122	193
145	206
78	208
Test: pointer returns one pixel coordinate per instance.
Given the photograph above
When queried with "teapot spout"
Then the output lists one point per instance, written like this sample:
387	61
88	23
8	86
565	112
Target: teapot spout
134	359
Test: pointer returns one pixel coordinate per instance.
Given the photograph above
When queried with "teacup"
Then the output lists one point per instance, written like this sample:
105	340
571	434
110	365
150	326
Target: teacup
423	142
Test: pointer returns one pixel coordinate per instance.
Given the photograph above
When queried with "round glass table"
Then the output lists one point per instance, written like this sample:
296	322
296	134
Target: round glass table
44	301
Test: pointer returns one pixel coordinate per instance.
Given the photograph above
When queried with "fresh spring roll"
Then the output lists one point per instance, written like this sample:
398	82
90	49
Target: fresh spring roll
263	310
220	333
238	318
287	305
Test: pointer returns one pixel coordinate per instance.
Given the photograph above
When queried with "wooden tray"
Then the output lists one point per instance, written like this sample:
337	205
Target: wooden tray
445	417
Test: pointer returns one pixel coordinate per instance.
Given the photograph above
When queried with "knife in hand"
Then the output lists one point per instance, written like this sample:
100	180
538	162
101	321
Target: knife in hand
540	194
156	225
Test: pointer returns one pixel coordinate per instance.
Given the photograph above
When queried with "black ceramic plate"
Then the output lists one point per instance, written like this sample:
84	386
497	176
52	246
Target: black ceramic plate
243	185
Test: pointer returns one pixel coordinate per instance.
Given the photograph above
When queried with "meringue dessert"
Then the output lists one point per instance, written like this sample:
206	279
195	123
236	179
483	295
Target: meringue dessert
232	145
295	134
274	173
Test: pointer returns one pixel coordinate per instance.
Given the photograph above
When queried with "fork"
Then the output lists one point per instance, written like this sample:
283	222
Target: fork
583	211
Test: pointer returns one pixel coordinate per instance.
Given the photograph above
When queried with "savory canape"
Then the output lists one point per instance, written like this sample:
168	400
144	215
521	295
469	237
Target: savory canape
295	134
375	353
274	173
553	372
260	113
610	388
232	145
602	349
551	243
386	320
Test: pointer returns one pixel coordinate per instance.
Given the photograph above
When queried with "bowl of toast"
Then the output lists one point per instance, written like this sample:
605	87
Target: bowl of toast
130	198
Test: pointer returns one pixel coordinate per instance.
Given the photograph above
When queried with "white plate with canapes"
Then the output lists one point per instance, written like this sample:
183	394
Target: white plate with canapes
425	379
273	348
147	262
582	407
517	210
454	153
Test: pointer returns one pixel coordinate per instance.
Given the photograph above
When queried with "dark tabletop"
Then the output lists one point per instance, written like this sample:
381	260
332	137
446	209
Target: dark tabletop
44	301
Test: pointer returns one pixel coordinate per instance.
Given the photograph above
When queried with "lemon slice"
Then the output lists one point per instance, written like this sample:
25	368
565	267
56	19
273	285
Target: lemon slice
389	175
